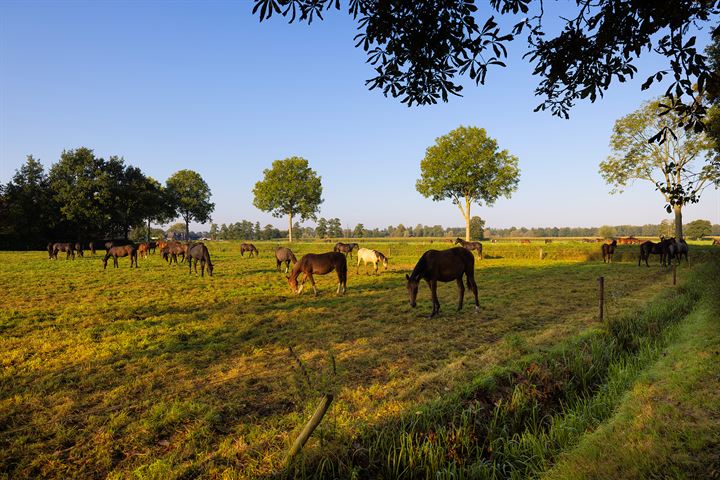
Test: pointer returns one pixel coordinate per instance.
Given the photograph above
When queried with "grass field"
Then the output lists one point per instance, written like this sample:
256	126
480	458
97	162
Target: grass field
155	373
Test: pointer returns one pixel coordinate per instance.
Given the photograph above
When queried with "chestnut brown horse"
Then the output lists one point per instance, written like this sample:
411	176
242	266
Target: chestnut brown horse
173	250
121	251
283	254
477	246
608	250
143	250
320	264
443	266
199	253
345	248
250	248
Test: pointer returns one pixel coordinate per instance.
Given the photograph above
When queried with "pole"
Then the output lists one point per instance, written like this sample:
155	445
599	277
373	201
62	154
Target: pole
309	428
674	274
601	281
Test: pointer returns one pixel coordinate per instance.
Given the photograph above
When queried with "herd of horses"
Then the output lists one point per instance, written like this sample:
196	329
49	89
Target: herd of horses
433	266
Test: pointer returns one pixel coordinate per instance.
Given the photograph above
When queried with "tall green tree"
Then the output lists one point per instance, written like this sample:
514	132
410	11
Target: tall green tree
321	228
466	166
673	167
334	228
698	228
289	188
28	210
189	195
477	226
359	230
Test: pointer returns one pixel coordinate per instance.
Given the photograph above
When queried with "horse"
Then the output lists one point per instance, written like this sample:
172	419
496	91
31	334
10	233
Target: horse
161	244
121	251
677	249
661	248
283	254
248	247
608	250
443	266
50	250
320	264
547	240
199	252
370	256
477	246
79	249
716	242
345	248
69	248
172	250
143	249
525	241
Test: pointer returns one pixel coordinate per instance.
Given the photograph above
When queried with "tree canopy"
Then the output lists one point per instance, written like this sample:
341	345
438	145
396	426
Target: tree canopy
671	167
289	188
698	228
418	49
466	166
190	195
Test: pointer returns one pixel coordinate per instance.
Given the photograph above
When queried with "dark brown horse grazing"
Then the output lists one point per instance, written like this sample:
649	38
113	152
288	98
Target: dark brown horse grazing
248	247
477	246
69	248
283	254
661	248
443	266
50	250
121	251
79	249
345	248
608	250
199	252
320	264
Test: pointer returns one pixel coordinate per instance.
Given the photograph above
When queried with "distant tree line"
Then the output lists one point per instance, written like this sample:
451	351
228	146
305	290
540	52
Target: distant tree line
84	197
695	229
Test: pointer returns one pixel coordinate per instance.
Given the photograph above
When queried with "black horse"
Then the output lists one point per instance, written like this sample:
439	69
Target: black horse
477	246
199	252
443	266
661	248
283	254
608	250
345	248
320	264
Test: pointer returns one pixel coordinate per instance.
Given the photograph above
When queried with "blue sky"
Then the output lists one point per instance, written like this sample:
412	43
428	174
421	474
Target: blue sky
172	85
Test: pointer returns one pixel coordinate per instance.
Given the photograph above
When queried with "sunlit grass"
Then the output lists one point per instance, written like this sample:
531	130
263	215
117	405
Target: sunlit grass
162	373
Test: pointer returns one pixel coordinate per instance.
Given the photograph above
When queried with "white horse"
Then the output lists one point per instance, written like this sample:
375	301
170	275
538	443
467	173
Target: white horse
370	256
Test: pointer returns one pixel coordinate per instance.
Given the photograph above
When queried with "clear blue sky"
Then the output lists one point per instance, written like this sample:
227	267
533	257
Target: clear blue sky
205	86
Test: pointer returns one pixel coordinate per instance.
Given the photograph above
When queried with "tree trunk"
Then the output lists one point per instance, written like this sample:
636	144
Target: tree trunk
187	229
147	236
467	220
290	217
678	222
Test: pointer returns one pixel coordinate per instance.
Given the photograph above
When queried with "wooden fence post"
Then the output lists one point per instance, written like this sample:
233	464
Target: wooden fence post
601	281
674	274
309	428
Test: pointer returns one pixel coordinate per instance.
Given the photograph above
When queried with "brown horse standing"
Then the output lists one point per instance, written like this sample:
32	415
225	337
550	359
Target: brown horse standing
661	248
345	248
121	251
143	249
477	246
248	247
443	266
283	254
199	252
320	264
608	250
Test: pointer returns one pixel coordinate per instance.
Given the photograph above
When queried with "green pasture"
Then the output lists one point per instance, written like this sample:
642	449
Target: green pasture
158	373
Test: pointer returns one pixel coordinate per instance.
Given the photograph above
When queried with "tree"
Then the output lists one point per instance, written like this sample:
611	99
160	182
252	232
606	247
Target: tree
189	196
698	228
666	228
321	228
289	188
606	231
671	167
585	52
477	225
467	167
334	228
214	231
359	230
27	204
178	230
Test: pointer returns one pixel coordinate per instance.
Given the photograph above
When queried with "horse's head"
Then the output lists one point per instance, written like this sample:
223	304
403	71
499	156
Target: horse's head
457	241
292	281
210	268
412	288
385	262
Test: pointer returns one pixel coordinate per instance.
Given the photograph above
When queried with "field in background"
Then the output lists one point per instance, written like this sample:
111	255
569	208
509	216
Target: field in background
165	374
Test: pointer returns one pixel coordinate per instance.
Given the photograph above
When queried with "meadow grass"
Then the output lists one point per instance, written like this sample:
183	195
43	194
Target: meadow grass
156	373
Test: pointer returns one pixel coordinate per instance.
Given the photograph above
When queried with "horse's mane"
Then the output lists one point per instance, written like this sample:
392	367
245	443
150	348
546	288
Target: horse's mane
380	255
419	268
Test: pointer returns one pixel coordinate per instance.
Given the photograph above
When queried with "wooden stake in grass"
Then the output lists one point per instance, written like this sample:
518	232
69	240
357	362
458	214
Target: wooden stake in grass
601	281
674	274
309	428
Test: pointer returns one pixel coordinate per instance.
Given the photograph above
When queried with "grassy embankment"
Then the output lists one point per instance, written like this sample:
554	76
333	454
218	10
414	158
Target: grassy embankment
159	374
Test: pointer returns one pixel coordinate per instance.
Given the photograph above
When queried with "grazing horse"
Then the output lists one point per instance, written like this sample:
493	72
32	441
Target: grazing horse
248	247
608	250
345	248
320	264
370	256
477	246
69	248
79	249
283	254
661	248
443	266
547	240
525	241
121	251
199	252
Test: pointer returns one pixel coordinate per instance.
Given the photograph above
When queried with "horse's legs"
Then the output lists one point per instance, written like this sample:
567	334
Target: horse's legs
470	278
278	262
375	264
115	262
287	266
357	268
461	292
202	267
435	301
308	276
